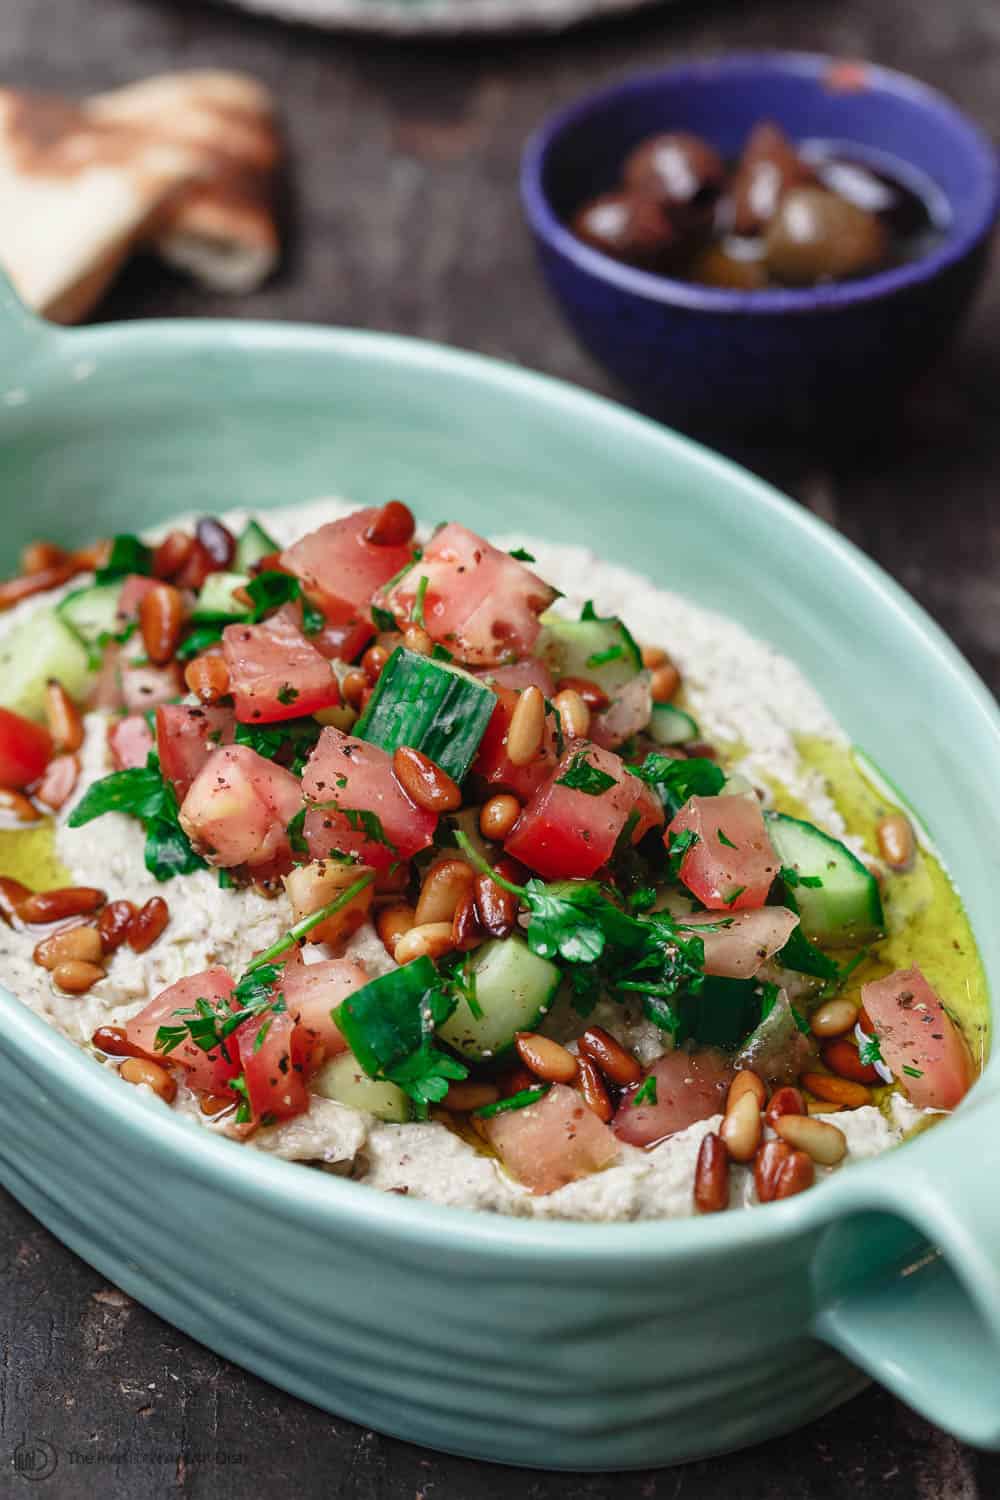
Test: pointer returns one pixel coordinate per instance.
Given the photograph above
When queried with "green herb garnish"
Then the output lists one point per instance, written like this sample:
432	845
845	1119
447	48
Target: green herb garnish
601	658
521	554
646	1092
723	840
520	1100
417	612
676	781
142	793
128	555
581	776
383	619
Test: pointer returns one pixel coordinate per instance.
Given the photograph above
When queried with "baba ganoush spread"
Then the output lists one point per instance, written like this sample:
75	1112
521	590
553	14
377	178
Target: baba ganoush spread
405	861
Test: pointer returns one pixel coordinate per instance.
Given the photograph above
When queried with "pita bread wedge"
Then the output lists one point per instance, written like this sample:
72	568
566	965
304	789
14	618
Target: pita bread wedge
184	163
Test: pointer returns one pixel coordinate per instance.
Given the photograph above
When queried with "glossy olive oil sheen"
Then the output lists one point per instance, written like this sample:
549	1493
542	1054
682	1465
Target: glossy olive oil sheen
925	919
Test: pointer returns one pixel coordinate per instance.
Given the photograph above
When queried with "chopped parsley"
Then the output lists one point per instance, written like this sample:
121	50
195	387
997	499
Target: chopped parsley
363	820
287	694
296	838
199	640
734	894
680	844
601	658
521	554
869	1050
383	619
296	738
912	1072
520	1100
800	1021
676	781
417	612
646	1093
792	878
142	793
720	835
128	555
581	776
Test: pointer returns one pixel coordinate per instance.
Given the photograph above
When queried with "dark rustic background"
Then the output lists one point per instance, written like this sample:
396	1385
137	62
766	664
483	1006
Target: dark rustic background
405	159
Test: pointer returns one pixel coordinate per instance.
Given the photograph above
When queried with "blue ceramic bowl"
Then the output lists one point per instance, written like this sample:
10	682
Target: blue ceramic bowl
548	1344
721	361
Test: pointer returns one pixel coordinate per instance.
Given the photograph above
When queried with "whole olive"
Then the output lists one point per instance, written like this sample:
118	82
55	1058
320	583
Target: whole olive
627	227
767	169
681	170
817	236
739	265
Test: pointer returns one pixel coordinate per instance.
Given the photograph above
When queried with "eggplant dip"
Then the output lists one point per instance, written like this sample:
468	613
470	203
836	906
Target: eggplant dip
487	872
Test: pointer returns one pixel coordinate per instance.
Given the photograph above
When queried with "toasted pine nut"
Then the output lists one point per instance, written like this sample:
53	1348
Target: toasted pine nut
834	1018
786	1101
424	782
65	723
161	617
58	782
137	1070
821	1107
207	677
825	1143
664	683
527	727
217	540
574	715
12	897
312	886
18	805
172	553
546	1059
593	1088
591	692
82	943
747	1082
498	815
836	1090
444	885
391	922
610	1056
466	933
794	1175
766	1165
353	687
147	924
654	656
392	526
214	1104
373	661
497	908
415	638
463	1097
711	1175
741	1127
75	976
56	906
39	555
895	840
114	1041
113	924
13	590
842	1057
432	939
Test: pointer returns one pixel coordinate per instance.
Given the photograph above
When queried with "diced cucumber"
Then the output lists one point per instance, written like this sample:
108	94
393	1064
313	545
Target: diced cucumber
253	544
844	909
430	705
344	1081
216	602
602	650
513	989
91	612
669	725
40	647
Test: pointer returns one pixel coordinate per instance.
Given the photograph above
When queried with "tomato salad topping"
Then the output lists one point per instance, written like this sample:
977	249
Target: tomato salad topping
412	735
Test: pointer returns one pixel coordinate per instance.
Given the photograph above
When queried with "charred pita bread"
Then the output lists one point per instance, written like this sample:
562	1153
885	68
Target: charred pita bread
184	163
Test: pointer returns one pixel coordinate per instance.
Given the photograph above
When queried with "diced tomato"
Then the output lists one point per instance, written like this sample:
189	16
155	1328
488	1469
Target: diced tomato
628	712
690	1086
275	672
731	866
517	675
480	602
492	762
312	991
343	640
238	809
564	832
918	1039
147	686
130	741
25	749
551	1143
743	941
186	736
357	777
344	568
203	1070
134	589
274	1052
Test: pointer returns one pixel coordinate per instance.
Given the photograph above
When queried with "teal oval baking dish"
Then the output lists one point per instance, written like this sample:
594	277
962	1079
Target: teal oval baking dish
556	1345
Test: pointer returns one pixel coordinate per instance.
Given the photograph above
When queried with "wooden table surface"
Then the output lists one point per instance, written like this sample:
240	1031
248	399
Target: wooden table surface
407	218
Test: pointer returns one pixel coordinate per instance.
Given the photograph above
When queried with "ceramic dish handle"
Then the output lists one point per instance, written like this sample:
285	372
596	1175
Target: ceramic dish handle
927	1324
